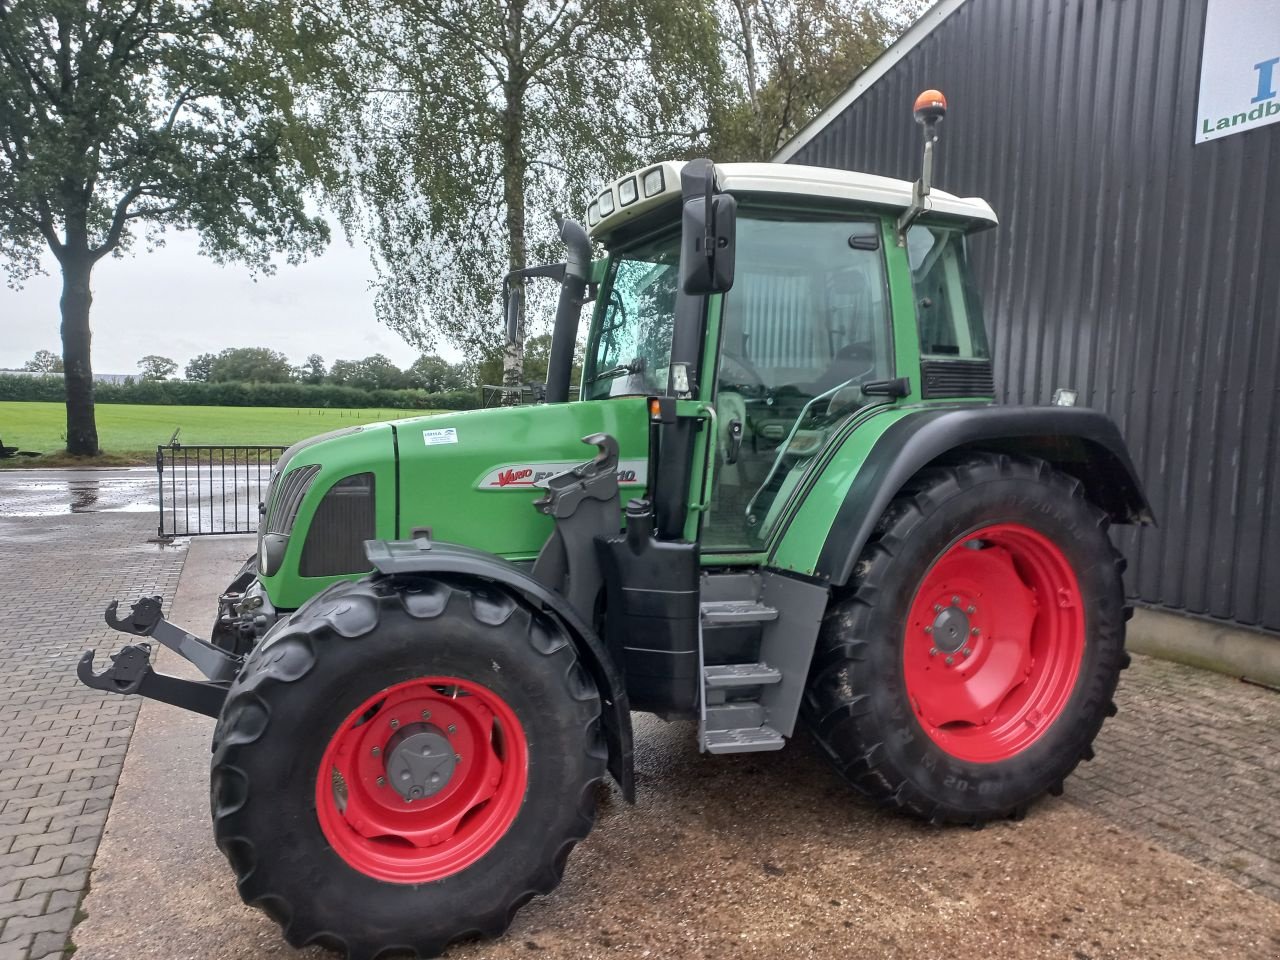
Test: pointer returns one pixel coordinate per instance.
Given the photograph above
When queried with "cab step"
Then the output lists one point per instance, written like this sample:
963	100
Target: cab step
739	675
743	740
723	613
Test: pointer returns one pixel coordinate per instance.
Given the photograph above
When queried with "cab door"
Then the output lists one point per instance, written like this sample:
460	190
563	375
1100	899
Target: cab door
805	326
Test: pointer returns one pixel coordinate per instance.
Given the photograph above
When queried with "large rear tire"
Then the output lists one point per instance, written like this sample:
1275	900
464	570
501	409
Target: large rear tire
398	767
972	664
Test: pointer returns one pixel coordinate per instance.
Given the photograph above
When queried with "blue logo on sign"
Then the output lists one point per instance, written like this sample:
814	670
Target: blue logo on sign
1266	79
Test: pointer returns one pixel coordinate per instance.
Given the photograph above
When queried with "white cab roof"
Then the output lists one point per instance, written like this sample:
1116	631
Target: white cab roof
629	196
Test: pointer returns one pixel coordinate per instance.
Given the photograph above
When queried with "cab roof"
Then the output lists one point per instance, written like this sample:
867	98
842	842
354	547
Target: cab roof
608	211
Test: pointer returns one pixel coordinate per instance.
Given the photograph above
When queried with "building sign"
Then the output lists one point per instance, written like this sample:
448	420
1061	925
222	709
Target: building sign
1239	68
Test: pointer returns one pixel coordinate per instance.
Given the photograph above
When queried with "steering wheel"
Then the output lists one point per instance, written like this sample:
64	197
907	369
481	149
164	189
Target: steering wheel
749	368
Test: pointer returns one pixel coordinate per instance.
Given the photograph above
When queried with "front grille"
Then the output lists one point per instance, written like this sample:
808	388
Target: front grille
956	378
285	497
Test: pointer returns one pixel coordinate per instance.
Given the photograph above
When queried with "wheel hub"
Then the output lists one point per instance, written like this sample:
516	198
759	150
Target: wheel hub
420	761
950	629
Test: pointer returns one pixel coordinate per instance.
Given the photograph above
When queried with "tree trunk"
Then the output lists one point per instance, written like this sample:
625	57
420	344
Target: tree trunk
513	166
82	428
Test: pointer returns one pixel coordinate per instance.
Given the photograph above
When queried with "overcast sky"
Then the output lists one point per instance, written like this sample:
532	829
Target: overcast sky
177	303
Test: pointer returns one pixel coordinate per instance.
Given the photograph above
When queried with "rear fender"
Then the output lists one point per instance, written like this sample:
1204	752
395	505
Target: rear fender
1083	443
395	558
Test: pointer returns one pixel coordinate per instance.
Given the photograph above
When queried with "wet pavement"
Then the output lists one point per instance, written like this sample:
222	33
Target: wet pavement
52	493
197	499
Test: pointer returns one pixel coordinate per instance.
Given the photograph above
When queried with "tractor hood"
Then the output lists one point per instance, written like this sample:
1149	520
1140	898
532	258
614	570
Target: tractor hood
468	477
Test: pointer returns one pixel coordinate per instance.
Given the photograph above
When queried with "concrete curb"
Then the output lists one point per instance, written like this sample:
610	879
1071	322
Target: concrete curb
1207	645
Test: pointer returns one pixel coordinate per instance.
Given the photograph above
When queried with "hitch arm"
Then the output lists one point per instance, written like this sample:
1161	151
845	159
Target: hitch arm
130	672
145	619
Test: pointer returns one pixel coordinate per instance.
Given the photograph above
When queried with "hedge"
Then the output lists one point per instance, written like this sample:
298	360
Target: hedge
191	393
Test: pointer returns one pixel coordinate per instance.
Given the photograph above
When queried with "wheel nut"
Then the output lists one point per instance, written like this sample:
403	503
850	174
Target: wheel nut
453	728
376	751
972	609
928	629
975	631
966	651
933	651
955	601
382	781
457	758
394	723
426	714
950	660
937	608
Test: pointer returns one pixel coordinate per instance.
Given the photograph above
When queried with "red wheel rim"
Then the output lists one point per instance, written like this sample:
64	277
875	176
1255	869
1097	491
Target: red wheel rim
459	733
994	641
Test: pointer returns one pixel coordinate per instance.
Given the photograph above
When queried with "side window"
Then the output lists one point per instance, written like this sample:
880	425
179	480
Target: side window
805	325
947	305
341	524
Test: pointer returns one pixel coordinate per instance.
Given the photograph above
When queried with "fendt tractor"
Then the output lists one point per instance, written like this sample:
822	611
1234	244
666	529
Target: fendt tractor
799	502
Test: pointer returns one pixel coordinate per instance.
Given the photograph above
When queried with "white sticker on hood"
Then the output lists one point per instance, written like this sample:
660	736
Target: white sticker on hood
445	435
517	476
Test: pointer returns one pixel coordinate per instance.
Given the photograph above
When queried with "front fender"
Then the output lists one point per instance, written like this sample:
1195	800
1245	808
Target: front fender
404	557
1078	441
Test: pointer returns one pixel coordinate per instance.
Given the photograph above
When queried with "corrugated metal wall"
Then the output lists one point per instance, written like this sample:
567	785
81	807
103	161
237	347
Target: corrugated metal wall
1131	264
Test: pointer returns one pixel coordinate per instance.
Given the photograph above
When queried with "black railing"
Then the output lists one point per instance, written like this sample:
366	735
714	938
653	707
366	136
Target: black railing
210	490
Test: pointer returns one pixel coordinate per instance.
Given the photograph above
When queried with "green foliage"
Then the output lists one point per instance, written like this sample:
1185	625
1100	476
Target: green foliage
430	372
313	371
201	367
371	373
156	367
120	114
470	123
249	365
165	392
44	361
790	59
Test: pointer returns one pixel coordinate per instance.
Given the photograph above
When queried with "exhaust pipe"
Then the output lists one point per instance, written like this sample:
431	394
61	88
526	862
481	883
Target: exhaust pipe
573	292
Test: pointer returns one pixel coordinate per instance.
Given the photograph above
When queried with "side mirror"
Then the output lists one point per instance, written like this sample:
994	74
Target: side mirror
709	227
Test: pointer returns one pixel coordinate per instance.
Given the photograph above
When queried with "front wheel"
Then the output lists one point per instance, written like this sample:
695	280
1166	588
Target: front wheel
973	664
402	765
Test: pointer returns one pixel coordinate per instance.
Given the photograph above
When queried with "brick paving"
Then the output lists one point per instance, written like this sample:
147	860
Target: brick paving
61	744
1192	762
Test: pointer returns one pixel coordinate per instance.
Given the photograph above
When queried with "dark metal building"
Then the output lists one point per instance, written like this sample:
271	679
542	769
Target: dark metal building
1131	263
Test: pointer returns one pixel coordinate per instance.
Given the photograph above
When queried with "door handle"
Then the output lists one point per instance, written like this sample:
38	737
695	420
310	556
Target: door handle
735	441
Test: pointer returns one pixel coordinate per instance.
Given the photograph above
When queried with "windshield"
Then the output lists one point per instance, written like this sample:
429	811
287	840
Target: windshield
630	350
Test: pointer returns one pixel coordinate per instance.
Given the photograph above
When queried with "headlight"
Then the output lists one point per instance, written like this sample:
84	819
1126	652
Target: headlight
653	182
627	192
606	203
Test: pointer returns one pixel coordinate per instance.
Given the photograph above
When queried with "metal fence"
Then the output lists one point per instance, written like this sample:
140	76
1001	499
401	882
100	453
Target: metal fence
212	490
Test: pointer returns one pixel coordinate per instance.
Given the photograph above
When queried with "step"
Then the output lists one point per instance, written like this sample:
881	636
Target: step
735	612
743	740
737	715
739	675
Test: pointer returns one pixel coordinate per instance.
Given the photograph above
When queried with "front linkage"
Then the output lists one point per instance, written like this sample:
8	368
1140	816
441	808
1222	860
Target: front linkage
131	672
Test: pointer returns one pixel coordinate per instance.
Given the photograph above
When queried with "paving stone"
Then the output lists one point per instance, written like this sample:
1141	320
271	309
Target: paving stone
61	744
1183	763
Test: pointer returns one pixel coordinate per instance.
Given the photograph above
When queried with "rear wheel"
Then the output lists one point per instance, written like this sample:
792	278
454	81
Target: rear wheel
400	767
973	664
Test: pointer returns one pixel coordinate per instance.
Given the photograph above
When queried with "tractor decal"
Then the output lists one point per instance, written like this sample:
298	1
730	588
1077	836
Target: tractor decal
521	476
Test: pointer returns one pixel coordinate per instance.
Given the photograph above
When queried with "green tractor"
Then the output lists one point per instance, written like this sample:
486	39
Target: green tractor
803	506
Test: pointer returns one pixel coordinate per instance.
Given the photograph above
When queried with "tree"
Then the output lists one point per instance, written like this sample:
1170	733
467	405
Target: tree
44	361
201	367
156	367
120	116
250	365
313	371
463	116
792	58
435	374
371	373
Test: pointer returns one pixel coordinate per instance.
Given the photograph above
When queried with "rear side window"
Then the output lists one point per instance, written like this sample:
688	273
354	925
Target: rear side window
342	523
947	305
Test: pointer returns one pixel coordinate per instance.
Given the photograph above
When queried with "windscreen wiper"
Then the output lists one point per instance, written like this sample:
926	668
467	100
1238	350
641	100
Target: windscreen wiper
635	366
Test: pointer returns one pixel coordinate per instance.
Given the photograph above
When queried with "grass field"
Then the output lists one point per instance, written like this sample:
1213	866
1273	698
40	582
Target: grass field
130	432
